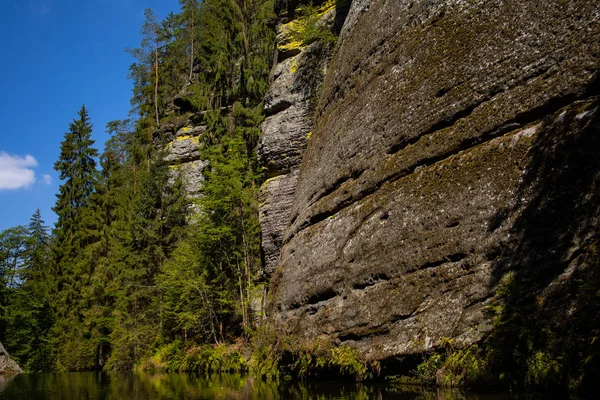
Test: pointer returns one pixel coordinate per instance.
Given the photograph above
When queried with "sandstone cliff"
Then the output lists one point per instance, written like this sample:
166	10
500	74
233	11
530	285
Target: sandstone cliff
454	142
295	79
7	365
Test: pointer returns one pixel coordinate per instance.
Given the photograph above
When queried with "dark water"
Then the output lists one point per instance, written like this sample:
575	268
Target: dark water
96	385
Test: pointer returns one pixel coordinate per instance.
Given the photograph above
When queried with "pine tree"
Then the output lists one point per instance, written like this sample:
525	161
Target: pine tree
37	295
158	220
188	14
13	242
77	169
188	299
26	313
12	256
37	247
76	235
146	71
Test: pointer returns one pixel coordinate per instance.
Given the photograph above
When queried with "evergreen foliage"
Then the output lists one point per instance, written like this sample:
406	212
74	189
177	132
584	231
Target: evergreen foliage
25	311
128	269
76	235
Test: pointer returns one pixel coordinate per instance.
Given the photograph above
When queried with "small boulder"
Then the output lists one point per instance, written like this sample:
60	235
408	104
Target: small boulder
7	365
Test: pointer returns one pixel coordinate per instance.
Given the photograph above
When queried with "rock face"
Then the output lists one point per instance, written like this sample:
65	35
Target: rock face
289	104
7	365
454	141
183	155
275	197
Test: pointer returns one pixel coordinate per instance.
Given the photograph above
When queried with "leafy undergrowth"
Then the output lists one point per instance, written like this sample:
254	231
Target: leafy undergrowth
288	357
175	357
265	356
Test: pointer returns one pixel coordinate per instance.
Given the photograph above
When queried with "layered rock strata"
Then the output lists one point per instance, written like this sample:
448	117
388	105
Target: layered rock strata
289	105
454	141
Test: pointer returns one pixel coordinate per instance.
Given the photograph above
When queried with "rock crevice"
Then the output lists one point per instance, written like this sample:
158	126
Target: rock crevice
289	105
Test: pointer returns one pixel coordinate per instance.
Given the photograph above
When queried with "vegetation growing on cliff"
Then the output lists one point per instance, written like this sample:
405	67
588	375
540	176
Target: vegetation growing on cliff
267	356
308	27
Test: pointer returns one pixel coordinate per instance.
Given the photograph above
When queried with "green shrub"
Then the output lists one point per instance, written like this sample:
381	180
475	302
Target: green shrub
266	354
206	358
349	363
427	370
308	27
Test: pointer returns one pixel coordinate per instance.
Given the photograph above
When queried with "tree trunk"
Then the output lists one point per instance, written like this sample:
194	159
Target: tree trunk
242	300
246	261
192	44
156	82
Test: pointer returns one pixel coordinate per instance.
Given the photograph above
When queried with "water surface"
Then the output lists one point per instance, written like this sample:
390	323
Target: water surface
103	385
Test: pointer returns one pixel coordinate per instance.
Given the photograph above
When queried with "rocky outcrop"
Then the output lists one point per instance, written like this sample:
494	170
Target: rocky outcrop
184	148
7	365
183	153
454	142
289	105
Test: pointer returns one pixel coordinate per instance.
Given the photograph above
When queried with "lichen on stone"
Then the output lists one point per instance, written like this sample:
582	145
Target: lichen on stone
294	66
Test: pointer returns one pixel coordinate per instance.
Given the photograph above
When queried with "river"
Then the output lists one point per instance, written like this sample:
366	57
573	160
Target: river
125	386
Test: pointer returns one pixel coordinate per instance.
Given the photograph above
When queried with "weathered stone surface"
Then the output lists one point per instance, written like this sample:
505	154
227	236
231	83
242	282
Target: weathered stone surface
289	102
183	154
417	81
180	124
191	130
417	261
283	139
183	149
450	147
168	129
289	105
276	196
193	176
7	365
281	94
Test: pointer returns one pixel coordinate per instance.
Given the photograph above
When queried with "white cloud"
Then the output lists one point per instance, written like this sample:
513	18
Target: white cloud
15	171
47	179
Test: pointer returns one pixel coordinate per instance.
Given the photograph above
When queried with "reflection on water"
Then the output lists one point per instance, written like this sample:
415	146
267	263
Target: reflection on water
4	380
96	385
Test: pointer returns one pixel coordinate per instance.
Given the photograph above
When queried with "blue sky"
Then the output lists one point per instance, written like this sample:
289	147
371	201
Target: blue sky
56	56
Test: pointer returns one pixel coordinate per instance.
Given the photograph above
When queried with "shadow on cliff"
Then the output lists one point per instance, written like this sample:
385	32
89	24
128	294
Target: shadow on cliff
547	326
342	8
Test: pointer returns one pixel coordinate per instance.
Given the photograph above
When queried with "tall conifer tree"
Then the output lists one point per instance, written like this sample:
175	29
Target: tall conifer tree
77	228
26	315
77	169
